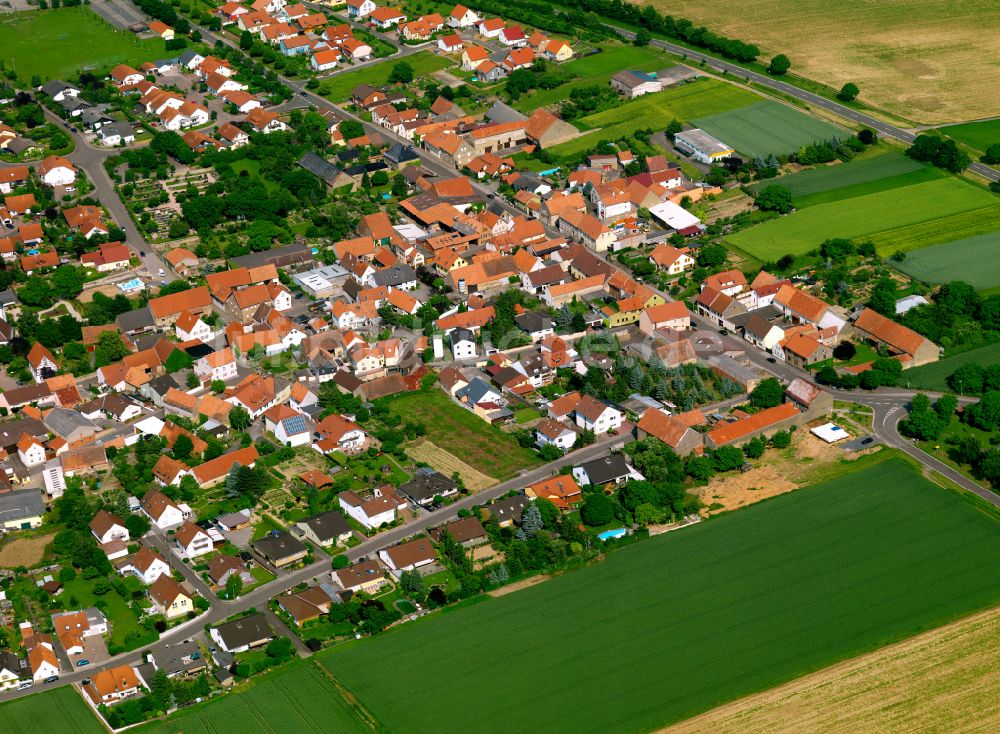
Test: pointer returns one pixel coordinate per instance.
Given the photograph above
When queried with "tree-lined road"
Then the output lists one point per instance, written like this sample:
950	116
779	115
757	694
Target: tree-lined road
883	128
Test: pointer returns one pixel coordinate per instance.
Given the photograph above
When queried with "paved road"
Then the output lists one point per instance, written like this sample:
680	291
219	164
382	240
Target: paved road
91	159
883	128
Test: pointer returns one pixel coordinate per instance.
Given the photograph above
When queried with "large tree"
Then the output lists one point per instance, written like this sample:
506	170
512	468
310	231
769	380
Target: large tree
767	394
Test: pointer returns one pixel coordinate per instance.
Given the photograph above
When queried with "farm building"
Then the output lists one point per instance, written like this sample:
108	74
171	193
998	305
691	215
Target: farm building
701	146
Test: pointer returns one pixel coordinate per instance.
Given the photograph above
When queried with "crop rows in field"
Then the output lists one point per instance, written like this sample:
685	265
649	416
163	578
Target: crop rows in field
665	629
767	128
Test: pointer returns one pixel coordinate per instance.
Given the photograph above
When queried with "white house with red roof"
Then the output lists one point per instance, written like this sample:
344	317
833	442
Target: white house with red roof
462	17
57	171
360	8
189	327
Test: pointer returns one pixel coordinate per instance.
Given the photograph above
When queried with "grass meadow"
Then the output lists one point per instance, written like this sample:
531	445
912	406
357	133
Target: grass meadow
668	628
978	135
766	127
924	204
63	42
686	102
338	88
56	711
934	376
463	434
297	698
973	259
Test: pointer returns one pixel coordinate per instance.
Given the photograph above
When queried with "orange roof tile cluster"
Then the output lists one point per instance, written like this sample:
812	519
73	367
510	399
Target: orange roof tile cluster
728	432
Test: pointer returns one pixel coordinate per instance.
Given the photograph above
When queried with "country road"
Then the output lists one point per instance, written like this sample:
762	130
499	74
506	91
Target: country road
791	90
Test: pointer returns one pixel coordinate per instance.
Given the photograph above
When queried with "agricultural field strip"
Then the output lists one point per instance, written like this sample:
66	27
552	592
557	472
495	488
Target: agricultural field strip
933	376
852	191
869	584
938	231
58	711
300	700
973	259
841	175
863	216
767	127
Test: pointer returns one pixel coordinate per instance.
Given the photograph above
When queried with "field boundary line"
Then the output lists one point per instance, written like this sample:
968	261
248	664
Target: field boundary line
354	706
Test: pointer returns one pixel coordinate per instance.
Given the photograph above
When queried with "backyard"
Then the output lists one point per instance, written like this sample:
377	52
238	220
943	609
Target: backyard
64	42
338	88
466	436
766	594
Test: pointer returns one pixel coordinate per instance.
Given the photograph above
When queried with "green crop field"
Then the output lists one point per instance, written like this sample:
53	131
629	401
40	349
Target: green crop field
944	229
463	434
64	42
298	698
863	217
667	628
934	376
924	173
596	70
847	176
766	127
58	711
338	88
686	102
979	135
973	260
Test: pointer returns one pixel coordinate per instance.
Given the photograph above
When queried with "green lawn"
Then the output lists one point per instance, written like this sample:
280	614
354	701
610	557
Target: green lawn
933	376
863	217
767	127
526	414
979	135
121	618
702	97
61	43
836	178
338	88
57	711
664	629
973	259
597	70
460	432
296	698
262	528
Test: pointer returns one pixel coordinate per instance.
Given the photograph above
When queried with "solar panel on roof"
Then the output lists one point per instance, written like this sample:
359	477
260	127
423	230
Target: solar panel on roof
294	425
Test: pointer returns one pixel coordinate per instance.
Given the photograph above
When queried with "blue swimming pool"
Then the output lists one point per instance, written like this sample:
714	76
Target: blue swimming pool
131	285
617	533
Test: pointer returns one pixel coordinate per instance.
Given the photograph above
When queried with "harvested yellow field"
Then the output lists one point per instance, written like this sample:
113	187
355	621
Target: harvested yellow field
924	60
24	551
448	464
942	681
